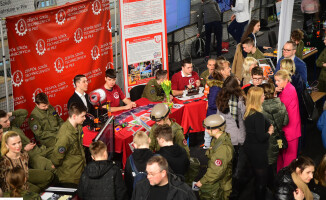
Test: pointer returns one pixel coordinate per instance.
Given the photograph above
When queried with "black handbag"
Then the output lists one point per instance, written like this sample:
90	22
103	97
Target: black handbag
310	106
282	143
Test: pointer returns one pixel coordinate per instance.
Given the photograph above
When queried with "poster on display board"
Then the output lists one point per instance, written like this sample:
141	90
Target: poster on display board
49	47
144	40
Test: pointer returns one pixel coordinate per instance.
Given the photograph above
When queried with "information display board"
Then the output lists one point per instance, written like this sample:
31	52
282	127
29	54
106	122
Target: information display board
143	40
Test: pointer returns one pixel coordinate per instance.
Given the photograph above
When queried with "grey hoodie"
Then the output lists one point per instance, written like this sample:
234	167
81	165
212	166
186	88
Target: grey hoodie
211	12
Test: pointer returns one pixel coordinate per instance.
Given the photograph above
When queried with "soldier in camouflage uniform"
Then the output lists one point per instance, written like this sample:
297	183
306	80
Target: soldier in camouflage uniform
321	62
44	121
68	154
217	182
38	155
160	114
153	90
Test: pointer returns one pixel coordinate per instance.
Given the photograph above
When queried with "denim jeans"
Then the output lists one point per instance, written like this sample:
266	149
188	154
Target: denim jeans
236	29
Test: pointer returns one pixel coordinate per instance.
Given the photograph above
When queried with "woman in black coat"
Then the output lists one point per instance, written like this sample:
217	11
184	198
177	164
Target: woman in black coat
258	131
291	182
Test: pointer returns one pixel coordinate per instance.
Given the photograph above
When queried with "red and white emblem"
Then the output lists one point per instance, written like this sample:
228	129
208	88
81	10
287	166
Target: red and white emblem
116	95
191	81
185	142
218	162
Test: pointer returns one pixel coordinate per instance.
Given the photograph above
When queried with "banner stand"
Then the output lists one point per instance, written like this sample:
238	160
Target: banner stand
4	65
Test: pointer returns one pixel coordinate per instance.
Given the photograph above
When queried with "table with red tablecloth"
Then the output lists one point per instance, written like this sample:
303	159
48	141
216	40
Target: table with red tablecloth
191	114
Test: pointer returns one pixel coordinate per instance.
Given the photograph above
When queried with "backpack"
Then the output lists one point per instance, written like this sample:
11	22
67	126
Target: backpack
138	176
198	48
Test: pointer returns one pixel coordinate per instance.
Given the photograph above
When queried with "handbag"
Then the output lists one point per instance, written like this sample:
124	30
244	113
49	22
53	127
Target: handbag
282	143
310	106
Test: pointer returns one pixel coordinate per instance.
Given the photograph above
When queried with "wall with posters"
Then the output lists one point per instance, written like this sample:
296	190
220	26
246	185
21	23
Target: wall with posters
49	47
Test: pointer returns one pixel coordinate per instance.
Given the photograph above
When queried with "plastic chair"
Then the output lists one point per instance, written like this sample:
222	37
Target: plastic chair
136	92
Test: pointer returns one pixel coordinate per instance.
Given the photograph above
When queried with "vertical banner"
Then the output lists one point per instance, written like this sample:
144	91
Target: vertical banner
49	47
143	40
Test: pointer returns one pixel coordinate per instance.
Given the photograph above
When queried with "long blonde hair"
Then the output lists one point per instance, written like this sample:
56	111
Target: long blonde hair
283	74
288	65
253	101
5	137
248	61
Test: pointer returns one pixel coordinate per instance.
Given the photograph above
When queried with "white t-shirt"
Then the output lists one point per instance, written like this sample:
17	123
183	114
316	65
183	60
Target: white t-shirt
241	10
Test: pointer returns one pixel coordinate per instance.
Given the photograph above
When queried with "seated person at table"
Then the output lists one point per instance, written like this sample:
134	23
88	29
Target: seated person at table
140	156
38	154
153	90
256	79
160	114
68	154
114	94
211	63
289	50
44	121
173	153
101	178
249	47
80	96
185	79
297	37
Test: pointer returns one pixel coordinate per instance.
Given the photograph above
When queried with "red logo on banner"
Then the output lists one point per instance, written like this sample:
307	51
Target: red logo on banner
21	27
17	78
60	17
40	47
58	109
78	35
95	52
59	65
96	7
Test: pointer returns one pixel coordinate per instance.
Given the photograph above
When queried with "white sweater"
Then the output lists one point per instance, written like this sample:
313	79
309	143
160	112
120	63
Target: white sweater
241	10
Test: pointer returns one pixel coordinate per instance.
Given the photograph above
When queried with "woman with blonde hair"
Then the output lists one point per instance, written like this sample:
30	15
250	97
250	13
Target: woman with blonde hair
258	131
14	156
248	64
292	130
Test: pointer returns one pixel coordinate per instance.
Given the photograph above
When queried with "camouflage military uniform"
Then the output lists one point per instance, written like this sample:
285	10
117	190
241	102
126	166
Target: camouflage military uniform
45	125
178	137
204	77
217	182
68	154
322	76
153	91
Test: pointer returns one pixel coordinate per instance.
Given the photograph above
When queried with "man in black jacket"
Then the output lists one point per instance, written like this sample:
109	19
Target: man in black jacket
160	184
101	179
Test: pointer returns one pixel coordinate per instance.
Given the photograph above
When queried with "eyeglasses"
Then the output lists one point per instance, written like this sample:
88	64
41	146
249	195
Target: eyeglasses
153	174
287	50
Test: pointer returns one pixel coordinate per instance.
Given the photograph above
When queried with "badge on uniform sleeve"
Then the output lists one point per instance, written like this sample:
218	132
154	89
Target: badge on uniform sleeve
55	113
218	162
185	142
61	150
152	91
32	118
35	127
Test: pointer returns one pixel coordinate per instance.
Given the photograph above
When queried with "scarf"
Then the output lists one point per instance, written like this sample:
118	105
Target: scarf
233	106
302	186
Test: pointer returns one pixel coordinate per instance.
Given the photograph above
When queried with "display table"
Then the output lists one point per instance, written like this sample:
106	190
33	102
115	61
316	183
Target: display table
317	95
309	52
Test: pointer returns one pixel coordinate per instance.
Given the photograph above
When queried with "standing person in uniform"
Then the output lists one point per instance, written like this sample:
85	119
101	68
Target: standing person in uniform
68	154
80	96
38	155
321	62
114	94
44	121
297	37
210	11
217	182
249	47
153	90
185	79
258	131
160	114
239	19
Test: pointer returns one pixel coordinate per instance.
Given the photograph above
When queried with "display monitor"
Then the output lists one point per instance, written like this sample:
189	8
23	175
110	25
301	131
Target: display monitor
177	14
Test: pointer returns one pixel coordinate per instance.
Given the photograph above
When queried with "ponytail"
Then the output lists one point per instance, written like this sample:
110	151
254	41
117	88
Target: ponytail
302	162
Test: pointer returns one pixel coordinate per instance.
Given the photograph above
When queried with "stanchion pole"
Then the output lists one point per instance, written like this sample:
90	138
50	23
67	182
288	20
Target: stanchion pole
4	64
115	36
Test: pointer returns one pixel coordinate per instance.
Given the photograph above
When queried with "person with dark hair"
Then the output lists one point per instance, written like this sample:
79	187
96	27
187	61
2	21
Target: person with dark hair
38	154
274	111
101	178
318	184
160	184
153	90
289	50
44	121
80	96
249	47
257	77
210	11
216	184
291	182
68	154
321	62
173	153
16	180
114	94
185	79
297	37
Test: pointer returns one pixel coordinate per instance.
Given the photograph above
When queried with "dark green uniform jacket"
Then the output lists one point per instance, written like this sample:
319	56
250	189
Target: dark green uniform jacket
39	154
217	182
299	52
178	138
204	77
26	195
45	125
322	77
68	154
275	108
257	55
153	91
